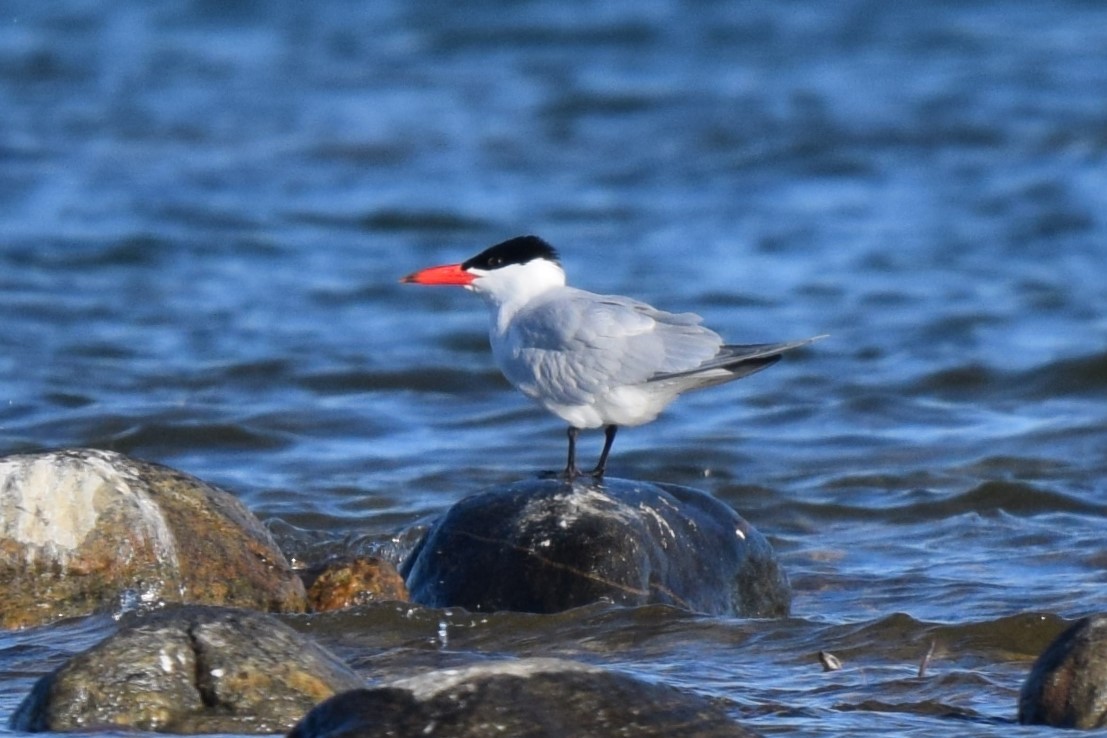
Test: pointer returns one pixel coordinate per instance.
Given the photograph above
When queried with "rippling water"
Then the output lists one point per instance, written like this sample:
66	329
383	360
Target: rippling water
204	211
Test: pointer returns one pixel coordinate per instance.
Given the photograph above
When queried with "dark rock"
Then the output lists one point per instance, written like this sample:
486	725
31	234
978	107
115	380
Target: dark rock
549	545
189	670
348	583
81	530
1067	686
530	697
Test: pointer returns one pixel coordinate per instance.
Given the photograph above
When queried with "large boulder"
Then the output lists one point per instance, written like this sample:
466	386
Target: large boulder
81	530
530	697
548	545
189	669
1067	685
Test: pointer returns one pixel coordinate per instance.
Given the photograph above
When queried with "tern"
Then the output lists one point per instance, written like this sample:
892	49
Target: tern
592	360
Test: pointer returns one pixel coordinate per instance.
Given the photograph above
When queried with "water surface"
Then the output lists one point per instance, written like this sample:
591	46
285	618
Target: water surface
204	212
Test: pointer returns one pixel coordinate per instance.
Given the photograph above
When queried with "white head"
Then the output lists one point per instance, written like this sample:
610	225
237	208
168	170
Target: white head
511	272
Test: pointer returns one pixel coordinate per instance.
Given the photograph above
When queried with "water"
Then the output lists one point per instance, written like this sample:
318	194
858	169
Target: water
204	211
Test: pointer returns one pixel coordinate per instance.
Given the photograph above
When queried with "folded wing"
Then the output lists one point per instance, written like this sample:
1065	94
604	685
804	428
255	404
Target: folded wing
580	345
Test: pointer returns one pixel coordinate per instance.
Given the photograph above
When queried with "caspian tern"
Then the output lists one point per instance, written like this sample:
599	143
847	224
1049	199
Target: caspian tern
591	360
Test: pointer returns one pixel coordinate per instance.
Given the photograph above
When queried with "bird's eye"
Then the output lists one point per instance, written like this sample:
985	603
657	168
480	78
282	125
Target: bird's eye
495	261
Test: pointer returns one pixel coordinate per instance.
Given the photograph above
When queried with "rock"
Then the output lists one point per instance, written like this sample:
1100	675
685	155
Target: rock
189	669
82	530
549	545
530	697
343	584
1067	685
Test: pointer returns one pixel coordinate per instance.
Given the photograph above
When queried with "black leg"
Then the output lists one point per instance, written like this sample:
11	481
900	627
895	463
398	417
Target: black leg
571	465
609	432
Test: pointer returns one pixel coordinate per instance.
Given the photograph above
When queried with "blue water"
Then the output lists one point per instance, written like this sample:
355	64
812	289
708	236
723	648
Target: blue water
205	209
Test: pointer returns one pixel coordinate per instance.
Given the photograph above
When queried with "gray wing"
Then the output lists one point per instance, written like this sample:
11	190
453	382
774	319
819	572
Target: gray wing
578	344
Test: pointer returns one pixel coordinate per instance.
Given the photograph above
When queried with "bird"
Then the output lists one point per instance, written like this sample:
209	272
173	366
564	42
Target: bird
592	360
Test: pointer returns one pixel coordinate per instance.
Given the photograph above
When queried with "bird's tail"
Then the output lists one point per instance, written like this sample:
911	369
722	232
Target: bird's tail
735	361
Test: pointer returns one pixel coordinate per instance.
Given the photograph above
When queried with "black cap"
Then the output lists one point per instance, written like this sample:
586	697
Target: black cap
518	250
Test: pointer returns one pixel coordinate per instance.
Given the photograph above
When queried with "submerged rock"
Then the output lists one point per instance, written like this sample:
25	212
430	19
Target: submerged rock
84	529
189	670
349	583
1067	686
530	697
549	545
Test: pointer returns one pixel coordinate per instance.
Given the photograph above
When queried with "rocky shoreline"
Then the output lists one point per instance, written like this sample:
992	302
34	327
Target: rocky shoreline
198	586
